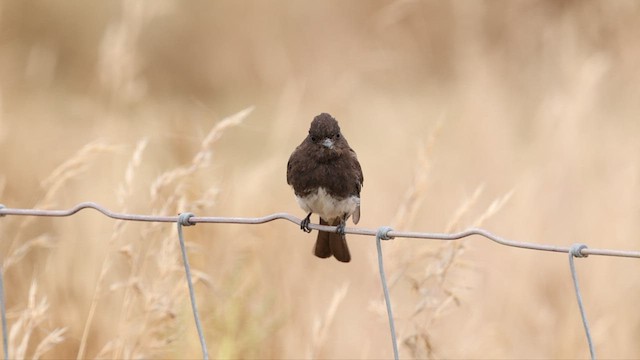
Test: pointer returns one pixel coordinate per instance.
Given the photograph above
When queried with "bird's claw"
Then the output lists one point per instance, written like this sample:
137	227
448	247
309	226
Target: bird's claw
304	224
340	228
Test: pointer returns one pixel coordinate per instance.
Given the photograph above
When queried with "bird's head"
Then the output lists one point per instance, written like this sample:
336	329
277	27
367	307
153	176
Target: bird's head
325	134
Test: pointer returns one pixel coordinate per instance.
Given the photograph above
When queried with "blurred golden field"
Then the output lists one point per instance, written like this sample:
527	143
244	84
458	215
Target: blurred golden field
521	117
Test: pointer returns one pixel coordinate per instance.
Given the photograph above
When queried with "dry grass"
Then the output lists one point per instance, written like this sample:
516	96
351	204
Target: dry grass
30	319
521	117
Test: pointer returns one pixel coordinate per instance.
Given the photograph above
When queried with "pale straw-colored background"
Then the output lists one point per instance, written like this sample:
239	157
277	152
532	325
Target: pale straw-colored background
522	117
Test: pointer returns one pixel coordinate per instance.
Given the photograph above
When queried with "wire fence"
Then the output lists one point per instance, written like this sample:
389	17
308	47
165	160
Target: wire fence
382	233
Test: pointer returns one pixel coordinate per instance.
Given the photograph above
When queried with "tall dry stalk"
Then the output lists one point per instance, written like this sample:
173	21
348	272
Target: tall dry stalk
416	192
124	191
154	290
36	314
78	164
429	273
427	270
73	167
29	321
322	325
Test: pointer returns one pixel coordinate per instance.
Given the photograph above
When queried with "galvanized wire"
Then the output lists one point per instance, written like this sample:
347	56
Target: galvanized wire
382	235
296	220
183	220
576	251
581	251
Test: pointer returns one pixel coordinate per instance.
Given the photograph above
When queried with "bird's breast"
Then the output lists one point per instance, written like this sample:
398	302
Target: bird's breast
320	202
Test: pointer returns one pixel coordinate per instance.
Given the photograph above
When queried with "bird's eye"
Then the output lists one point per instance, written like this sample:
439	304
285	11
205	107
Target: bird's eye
313	138
338	136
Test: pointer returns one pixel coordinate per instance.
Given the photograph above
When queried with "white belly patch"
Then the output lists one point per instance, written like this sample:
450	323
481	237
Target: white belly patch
327	207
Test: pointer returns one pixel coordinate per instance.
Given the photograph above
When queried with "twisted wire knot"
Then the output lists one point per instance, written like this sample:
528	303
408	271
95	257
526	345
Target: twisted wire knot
576	250
383	233
183	219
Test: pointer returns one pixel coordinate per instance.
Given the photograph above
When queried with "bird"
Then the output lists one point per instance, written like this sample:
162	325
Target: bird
326	178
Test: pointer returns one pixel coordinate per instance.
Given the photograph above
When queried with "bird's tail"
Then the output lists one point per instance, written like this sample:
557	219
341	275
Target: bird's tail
331	243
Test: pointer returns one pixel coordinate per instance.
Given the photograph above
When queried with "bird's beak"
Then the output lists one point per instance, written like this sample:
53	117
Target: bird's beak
328	143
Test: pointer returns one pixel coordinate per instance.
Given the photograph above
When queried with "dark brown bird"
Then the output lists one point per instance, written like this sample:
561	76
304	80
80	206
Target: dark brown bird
326	177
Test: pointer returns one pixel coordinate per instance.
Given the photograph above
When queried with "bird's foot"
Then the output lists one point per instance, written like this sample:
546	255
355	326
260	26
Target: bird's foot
304	224
340	228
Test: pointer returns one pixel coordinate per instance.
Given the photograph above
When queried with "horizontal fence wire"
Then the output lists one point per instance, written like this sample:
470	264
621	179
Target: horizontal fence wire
383	232
296	220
